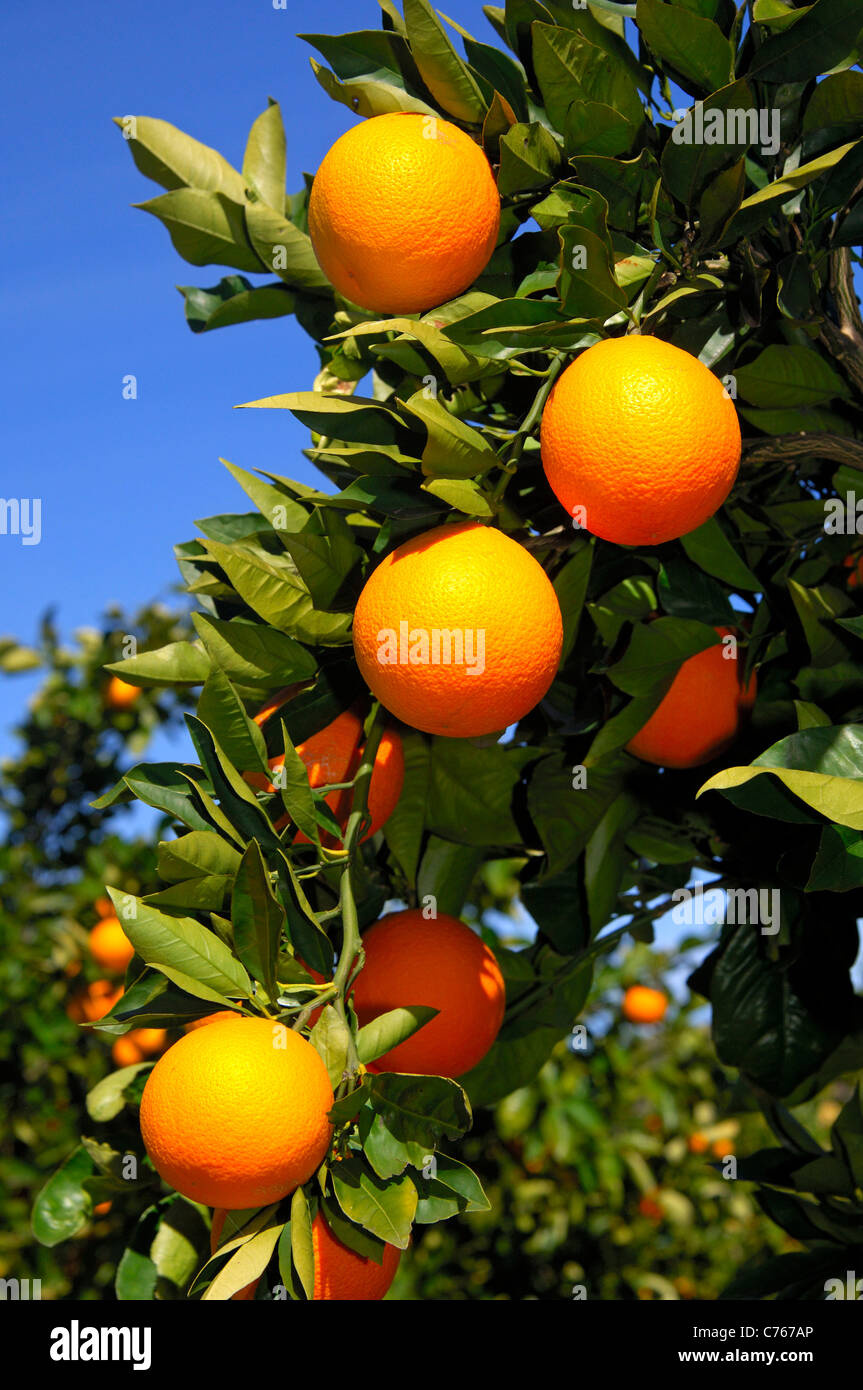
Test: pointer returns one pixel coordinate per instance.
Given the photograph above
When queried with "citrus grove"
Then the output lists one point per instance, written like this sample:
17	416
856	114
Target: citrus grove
565	597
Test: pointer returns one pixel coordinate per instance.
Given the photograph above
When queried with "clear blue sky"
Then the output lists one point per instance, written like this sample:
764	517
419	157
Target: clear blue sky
90	290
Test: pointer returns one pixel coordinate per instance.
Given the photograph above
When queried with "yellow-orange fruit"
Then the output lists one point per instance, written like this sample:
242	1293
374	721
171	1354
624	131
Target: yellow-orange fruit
120	694
458	631
698	1143
138	1044
103	907
701	713
343	1275
334	755
643	437
404	213
440	963
644	1005
110	947
102	1208
722	1148
236	1116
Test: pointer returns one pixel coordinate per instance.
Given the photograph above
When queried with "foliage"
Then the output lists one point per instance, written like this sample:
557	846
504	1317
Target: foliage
737	250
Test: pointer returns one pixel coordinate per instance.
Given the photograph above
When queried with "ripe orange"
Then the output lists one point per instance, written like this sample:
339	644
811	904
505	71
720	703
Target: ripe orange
236	1116
854	563
334	755
701	713
138	1044
441	963
217	1017
722	1148
120	694
93	1002
110	947
103	907
343	1275
643	1005
643	437
102	1208
698	1143
404	213
649	1207
458	631
247	1293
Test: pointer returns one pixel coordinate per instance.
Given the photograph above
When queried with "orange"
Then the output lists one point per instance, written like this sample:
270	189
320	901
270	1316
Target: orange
334	755
698	1143
96	1000
110	947
211	1018
236	1116
120	694
854	563
102	1208
643	437
404	213
722	1148
458	631
442	963
103	907
343	1275
643	1005
247	1293
649	1207
137	1044
701	713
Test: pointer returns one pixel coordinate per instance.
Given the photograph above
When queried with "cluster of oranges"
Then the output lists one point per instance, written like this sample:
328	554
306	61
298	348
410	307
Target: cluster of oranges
112	951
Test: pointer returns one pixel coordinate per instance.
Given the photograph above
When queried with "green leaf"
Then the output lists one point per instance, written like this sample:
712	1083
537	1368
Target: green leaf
695	49
331	1039
816	609
838	866
814	44
170	158
272	589
689	164
462	494
165	786
759	207
529	158
821	766
234	300
302	1243
837	100
355	420
205	228
384	1208
265	160
197	854
110	1095
420	1110
573	72
709	548
782	376
570	585
325	554
564	811
221	709
179	663
257	918
254	653
445	74
451	1188
277	504
63	1206
246	1264
588	288
389	1029
282	248
452	449
183	946
369	96
656	652
446	872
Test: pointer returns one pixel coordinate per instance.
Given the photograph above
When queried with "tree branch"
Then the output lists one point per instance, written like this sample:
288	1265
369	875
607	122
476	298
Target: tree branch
806	447
842	335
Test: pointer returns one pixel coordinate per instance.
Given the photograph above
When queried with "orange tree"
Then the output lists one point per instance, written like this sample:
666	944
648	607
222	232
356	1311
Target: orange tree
553	389
56	853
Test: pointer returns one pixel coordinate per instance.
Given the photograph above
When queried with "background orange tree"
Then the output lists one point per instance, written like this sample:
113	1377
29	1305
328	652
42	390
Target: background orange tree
743	258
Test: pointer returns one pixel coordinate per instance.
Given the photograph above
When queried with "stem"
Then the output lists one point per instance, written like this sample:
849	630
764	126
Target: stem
351	944
515	448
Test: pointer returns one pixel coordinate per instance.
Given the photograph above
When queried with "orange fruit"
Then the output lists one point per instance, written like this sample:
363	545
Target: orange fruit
120	694
649	1207
243	1295
698	1143
218	1017
102	1208
700	715
334	755
126	1052
442	963
643	437
643	1005
103	907
96	1000
236	1116
137	1044
722	1148
685	1287
854	563
404	213
110	947
458	631
343	1275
